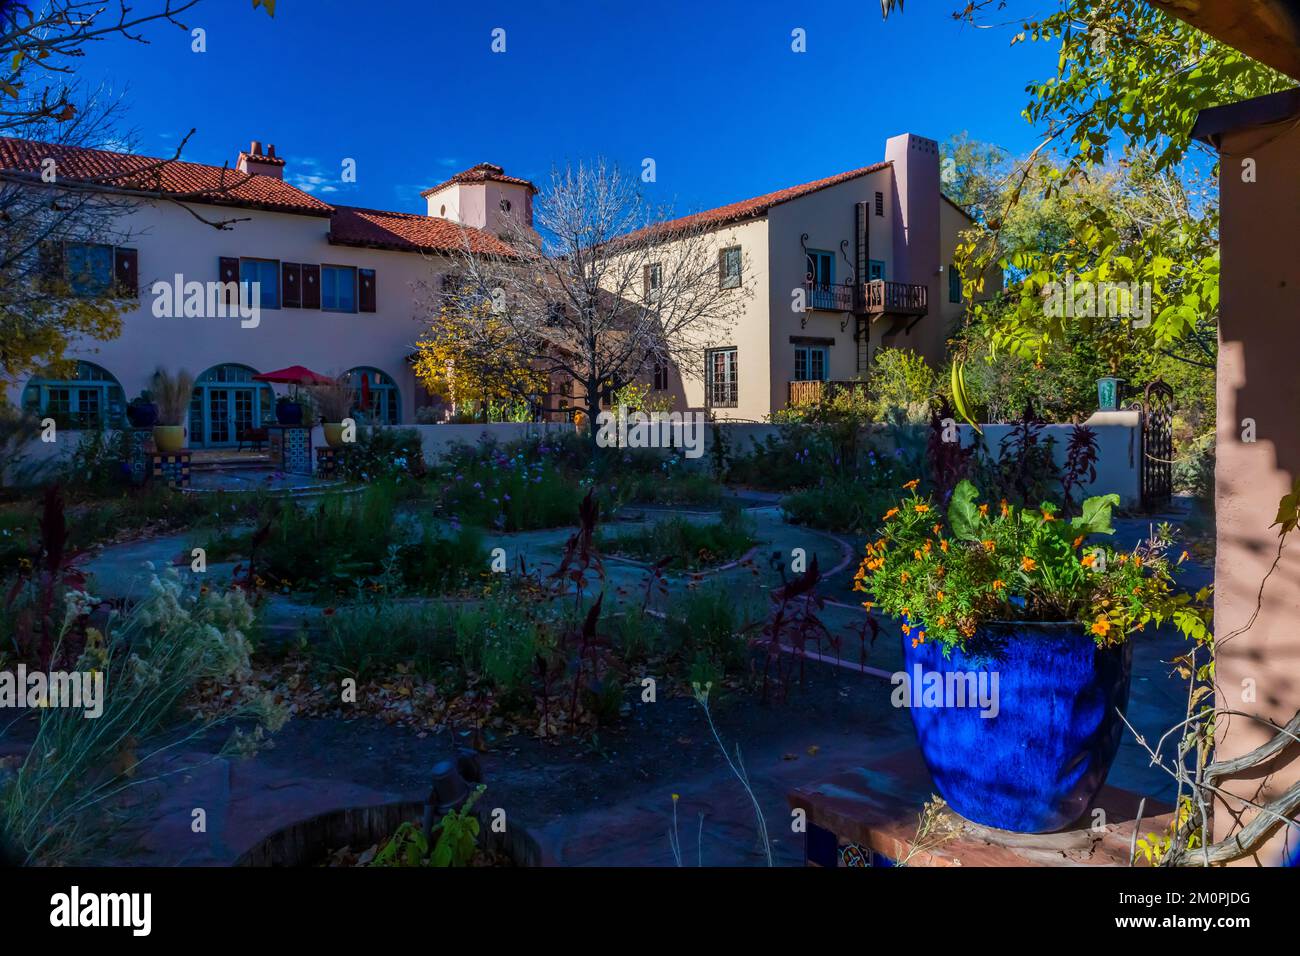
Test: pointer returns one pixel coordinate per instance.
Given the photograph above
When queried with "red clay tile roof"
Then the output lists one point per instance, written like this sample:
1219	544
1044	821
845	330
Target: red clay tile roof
481	173
409	232
757	207
262	158
194	182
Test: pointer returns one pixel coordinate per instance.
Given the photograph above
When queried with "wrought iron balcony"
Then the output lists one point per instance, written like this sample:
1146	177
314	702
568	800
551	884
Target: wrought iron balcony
876	297
895	298
830	298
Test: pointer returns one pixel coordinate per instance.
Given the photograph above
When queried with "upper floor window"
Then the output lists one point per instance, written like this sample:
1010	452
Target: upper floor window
505	205
90	267
721	378
954	284
263	278
661	376
729	267
653	279
821	268
875	269
338	288
880	204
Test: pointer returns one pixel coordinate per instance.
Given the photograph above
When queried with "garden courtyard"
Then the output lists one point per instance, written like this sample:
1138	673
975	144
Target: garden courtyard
640	657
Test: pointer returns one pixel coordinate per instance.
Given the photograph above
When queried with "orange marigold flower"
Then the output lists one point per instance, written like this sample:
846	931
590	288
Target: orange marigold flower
1078	541
999	584
907	629
922	509
939	595
1101	626
904	577
984	510
868	604
1088	560
1047	515
911	484
990	546
890	513
936	530
1027	563
943	545
1006	508
942	620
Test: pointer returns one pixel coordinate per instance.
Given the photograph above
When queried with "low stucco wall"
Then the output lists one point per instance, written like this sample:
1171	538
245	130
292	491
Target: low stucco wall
1118	442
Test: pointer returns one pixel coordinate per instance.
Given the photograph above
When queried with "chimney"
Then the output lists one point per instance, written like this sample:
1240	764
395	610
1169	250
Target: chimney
916	226
255	163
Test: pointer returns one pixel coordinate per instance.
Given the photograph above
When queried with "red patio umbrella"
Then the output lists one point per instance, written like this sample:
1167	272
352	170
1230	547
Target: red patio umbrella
294	375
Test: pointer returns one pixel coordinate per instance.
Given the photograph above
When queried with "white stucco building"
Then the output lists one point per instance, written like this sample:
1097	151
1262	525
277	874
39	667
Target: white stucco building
343	289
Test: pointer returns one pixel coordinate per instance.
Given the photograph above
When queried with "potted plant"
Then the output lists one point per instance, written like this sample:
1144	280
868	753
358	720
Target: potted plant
1016	647
333	403
142	411
172	394
288	411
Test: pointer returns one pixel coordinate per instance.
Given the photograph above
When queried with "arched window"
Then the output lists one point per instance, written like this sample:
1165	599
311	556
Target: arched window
377	396
226	403
90	398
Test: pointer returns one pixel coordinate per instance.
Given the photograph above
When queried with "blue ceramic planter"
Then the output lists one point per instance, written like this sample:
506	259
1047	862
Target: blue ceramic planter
1037	765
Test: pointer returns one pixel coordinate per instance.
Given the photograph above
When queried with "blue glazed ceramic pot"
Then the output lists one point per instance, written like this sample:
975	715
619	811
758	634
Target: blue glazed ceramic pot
1052	698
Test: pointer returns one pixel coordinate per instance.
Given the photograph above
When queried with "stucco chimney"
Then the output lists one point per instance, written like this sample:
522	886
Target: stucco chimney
916	227
255	163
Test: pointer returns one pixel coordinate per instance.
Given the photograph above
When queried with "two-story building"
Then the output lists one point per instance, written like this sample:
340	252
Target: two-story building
839	267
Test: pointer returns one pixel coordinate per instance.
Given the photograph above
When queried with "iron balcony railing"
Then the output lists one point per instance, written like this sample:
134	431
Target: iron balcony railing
895	298
876	297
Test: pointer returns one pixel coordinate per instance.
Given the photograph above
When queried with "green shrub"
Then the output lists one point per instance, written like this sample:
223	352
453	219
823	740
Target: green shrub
373	639
709	626
384	454
848	505
689	544
498	640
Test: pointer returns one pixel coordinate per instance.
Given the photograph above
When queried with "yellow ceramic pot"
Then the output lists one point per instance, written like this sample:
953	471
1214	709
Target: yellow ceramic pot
169	439
333	433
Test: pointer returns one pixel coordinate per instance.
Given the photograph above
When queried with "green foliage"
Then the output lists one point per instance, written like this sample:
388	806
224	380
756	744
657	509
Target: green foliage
498	640
947	578
151	657
456	843
377	638
902	382
687	543
384	454
850	505
520	491
342	543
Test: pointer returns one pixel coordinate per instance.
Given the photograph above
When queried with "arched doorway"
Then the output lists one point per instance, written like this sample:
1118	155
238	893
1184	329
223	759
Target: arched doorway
90	398
385	401
227	402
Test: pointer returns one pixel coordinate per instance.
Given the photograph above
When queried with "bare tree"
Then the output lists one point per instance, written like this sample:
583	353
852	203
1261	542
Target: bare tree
603	289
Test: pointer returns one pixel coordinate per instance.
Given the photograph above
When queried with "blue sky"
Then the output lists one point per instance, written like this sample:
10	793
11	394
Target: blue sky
710	89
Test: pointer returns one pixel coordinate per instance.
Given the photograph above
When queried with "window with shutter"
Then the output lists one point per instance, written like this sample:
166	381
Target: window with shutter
127	271
367	297
229	277
291	285
880	204
310	286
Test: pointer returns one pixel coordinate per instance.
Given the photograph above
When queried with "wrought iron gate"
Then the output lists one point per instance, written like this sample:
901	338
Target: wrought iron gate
1157	446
